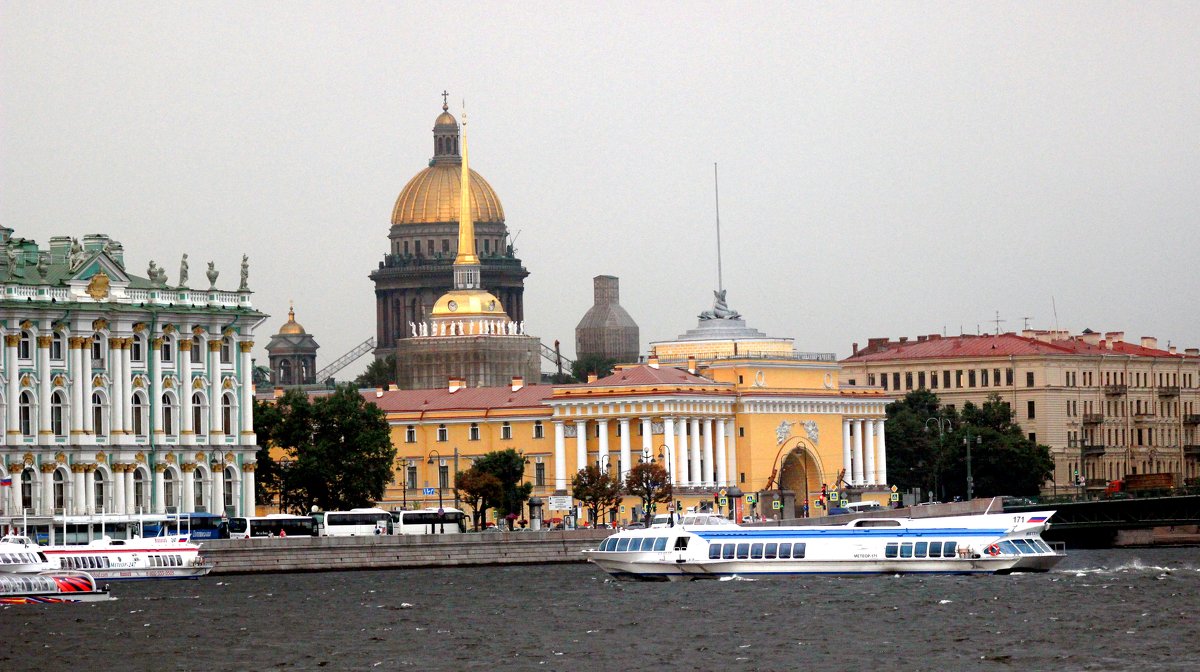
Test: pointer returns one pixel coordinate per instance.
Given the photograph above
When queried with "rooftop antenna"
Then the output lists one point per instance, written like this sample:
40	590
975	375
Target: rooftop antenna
1027	319
717	199
1054	306
998	321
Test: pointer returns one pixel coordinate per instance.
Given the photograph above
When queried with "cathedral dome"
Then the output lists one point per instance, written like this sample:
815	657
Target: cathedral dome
433	196
468	303
292	326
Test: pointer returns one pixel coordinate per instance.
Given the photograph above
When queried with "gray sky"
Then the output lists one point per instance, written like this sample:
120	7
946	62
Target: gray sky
886	169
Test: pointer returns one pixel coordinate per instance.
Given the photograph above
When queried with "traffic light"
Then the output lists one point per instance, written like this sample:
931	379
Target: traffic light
1076	472
823	490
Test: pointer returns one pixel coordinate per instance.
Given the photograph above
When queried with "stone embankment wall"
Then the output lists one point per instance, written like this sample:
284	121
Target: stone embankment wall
318	554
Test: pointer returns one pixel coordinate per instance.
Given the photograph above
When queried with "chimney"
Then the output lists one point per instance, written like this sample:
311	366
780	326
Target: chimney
904	339
517	383
855	346
692	364
378	392
1114	336
653	361
457	384
934	337
1092	338
1150	342
920	338
392	387
1172	350
1193	352
591	377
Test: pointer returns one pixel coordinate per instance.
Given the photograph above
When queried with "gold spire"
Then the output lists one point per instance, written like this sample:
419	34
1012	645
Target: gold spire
466	227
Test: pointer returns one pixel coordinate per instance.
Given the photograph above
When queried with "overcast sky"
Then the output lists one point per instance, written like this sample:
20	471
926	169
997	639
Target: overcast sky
885	169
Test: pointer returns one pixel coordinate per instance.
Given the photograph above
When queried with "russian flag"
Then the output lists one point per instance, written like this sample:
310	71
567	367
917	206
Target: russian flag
6	481
1038	519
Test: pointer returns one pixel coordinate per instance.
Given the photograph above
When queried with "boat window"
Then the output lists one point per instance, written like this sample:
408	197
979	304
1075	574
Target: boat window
797	551
728	551
623	544
604	545
1041	545
922	547
743	551
948	549
1025	546
785	551
647	543
660	544
772	550
935	549
714	551
906	549
756	551
867	522
1007	548
891	550
681	543
107	563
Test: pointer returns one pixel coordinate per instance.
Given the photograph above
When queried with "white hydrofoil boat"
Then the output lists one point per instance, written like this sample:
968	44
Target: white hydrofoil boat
998	543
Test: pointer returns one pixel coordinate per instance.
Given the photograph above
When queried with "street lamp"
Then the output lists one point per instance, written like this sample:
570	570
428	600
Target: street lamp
434	453
943	425
664	453
970	478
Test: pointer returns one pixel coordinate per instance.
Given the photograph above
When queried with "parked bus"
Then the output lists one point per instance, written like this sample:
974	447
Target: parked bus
355	522
271	525
429	521
197	526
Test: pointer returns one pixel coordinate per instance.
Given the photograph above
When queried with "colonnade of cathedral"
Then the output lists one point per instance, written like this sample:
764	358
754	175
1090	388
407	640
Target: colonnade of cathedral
696	451
864	451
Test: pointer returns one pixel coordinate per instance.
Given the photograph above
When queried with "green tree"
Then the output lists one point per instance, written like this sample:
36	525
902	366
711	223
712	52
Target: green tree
337	450
480	490
379	373
601	366
598	490
649	482
508	466
914	444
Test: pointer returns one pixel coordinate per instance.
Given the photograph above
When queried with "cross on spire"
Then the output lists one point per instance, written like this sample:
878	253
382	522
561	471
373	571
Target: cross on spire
445	105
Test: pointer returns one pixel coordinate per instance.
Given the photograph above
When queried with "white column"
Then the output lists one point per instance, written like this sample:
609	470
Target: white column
12	396
48	493
85	352
882	446
127	389
160	490
89	489
188	436
215	435
602	455
858	453
189	488
560	457
647	437
847	462
131	501
43	372
249	506
78	408
869	450
722	474
625	450
581	460
78	503
116	421
694	476
118	488
218	487
708	452
246	380
669	451
731	443
681	463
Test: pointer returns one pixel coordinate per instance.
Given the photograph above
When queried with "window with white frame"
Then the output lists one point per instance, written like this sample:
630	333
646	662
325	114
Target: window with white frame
25	346
56	346
539	431
99	350
166	351
410	434
473	434
137	351
25	413
139	415
443	434
57	414
227	350
99	414
506	431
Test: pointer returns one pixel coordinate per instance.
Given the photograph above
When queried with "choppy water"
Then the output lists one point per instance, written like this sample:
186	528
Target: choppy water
1100	610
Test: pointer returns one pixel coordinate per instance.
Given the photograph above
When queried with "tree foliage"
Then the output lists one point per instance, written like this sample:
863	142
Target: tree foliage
927	449
379	373
508	466
649	482
480	490
597	364
598	490
336	450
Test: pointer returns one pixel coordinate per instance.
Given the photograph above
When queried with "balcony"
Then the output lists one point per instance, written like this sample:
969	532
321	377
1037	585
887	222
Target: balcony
1144	416
1093	418
1114	390
1168	390
1191	419
1191	451
1093	451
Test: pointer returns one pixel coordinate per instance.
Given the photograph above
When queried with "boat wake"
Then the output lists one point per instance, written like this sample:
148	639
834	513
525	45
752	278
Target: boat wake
1133	566
735	577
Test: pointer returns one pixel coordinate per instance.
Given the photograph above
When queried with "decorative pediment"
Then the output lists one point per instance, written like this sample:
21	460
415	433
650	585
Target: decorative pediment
198	384
59	381
140	458
100	264
227	384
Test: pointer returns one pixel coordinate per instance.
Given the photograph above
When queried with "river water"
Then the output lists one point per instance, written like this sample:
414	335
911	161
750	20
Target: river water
1100	610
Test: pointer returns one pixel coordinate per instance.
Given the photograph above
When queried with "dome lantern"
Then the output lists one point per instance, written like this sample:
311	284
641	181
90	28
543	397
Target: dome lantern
445	135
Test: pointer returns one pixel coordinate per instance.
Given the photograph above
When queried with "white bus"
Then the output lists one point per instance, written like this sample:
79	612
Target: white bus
429	521
271	525
353	523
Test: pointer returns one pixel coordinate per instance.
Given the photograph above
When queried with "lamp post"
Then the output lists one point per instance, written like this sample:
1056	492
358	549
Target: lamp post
970	479
943	425
434	453
664	454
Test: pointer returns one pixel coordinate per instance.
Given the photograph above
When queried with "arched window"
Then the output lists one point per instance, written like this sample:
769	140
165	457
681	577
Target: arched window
168	413
56	346
57	413
101	491
25	346
139	414
285	372
227	350
227	414
198	489
199	414
25	413
60	489
227	495
27	489
139	491
137	350
99	414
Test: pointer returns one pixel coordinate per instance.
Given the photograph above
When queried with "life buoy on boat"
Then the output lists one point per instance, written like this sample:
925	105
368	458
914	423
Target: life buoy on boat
993	550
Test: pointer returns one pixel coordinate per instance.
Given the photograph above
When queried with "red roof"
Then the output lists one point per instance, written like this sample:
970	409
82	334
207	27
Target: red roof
988	345
644	374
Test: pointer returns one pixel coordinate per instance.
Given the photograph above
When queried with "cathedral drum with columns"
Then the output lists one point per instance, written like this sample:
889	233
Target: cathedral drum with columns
120	393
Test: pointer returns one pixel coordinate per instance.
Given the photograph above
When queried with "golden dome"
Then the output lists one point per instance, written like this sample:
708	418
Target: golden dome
291	326
468	303
433	195
445	119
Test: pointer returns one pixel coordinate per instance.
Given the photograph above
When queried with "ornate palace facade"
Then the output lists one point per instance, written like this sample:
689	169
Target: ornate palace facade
120	393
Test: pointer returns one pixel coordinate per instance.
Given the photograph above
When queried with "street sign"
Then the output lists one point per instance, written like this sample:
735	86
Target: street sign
750	499
895	489
833	495
895	496
722	492
429	492
845	501
560	502
777	504
724	501
441	511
